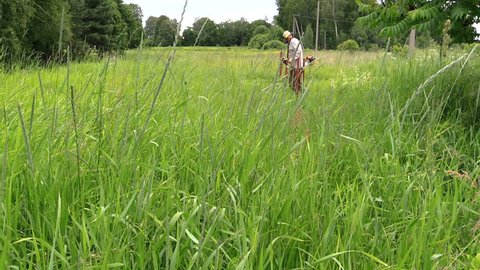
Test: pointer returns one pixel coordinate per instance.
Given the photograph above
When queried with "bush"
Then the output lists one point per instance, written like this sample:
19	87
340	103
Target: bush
400	50
348	45
276	33
257	41
261	30
425	41
468	47
372	47
273	44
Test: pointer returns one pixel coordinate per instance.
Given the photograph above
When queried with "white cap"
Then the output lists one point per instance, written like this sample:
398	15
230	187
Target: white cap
286	34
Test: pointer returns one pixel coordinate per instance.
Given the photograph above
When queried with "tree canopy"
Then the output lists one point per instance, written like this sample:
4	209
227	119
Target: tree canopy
398	17
43	29
336	20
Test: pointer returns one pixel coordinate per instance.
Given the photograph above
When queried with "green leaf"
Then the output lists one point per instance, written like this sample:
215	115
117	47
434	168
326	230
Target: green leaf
476	262
459	12
371	20
365	8
424	13
428	25
400	28
174	219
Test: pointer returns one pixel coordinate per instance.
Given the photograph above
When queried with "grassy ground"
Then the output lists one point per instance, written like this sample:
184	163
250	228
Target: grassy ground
213	163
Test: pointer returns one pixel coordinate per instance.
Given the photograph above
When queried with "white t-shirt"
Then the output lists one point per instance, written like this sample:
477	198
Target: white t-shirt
295	51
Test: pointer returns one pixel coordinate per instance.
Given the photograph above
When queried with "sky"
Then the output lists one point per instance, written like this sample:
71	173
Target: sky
217	10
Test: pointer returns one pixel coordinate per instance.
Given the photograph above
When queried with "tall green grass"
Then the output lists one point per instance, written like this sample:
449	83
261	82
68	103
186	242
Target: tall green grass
229	170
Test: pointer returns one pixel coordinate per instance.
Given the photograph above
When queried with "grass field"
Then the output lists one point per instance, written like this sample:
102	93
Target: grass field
213	163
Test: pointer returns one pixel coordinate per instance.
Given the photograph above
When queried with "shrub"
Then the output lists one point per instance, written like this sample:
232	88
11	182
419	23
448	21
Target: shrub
273	44
400	50
372	47
348	45
261	30
468	47
257	41
425	41
276	33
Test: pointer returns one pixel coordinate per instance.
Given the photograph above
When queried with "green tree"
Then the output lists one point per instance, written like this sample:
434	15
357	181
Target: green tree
276	33
188	37
240	29
103	25
121	30
205	32
77	9
227	33
254	25
304	12
368	38
161	31
261	30
49	29
399	17
132	16
150	28
308	39
258	41
336	18
14	19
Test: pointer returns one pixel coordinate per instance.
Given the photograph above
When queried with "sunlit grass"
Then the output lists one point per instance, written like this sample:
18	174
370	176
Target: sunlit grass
232	171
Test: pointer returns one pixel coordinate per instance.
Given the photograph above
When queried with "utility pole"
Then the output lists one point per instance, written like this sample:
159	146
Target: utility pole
293	24
316	35
335	20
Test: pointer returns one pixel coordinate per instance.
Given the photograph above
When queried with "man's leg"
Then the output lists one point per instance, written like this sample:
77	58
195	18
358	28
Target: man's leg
292	79
298	81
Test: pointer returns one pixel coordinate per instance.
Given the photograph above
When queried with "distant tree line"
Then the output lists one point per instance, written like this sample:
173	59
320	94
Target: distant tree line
44	29
368	22
161	31
337	23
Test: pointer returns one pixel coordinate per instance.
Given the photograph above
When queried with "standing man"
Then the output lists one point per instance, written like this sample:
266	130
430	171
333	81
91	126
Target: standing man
295	62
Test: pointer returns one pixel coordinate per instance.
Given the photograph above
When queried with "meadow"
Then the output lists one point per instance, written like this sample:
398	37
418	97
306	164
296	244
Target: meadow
203	158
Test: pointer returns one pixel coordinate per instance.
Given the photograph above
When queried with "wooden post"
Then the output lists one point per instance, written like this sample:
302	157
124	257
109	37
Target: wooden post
411	43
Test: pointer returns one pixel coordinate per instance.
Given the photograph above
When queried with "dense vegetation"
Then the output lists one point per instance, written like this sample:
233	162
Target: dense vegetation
397	17
203	158
46	29
145	163
49	30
